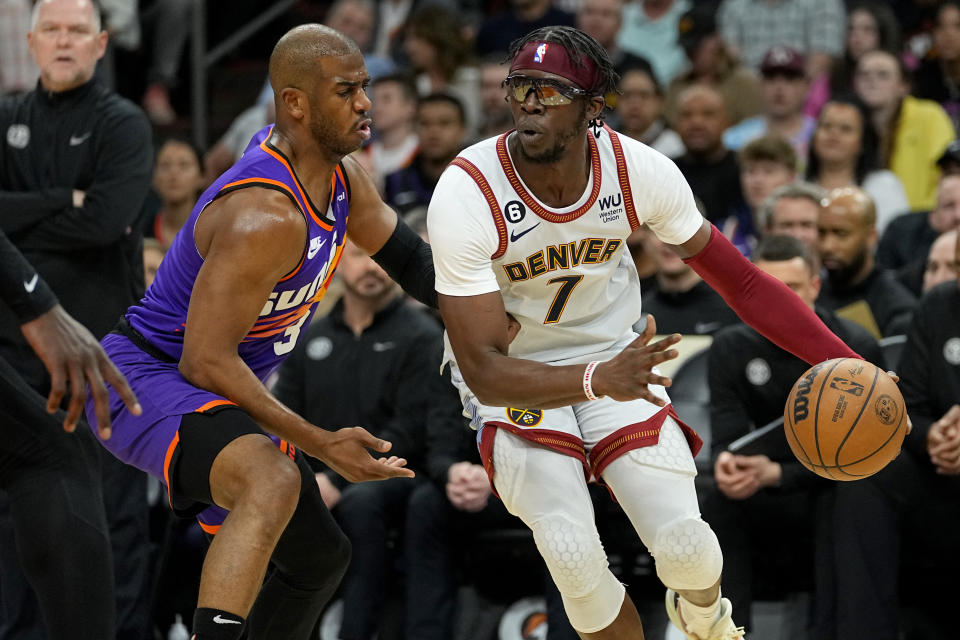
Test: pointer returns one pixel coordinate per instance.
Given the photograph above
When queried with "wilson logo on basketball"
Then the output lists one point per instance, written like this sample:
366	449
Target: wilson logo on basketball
801	405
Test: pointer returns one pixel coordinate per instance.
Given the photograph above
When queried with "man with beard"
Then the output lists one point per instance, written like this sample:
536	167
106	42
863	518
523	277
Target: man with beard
385	352
854	287
227	306
534	223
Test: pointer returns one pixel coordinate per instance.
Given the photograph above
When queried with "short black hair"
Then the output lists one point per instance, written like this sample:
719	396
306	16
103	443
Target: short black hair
399	78
781	248
577	44
197	151
640	64
445	98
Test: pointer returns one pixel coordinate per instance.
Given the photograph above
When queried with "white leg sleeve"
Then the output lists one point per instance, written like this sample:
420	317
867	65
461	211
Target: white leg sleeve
548	492
662	506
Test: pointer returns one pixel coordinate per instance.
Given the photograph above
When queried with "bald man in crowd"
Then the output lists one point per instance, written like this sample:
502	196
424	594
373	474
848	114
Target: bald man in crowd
226	308
854	287
710	168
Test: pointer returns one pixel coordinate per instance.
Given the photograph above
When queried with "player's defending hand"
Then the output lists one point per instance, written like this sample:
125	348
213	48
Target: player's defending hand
345	451
628	375
71	354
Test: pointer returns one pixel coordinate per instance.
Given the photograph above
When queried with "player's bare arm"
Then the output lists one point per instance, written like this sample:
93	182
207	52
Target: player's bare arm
249	240
375	227
695	244
371	220
479	337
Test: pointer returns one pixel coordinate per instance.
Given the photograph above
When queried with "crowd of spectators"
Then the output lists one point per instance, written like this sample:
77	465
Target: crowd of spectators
830	124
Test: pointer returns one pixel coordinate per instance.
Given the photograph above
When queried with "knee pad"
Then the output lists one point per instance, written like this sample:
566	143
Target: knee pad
687	554
578	564
573	553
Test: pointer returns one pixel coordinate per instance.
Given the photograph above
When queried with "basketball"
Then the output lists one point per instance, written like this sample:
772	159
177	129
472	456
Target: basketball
845	419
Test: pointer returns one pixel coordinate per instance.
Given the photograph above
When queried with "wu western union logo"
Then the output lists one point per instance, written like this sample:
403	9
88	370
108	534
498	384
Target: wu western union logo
564	256
525	417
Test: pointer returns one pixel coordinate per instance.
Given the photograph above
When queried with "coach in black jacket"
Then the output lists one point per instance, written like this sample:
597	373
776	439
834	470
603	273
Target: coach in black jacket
75	163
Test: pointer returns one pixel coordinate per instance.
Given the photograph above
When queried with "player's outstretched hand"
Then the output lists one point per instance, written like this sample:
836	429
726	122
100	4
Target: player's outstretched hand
73	356
345	451
628	375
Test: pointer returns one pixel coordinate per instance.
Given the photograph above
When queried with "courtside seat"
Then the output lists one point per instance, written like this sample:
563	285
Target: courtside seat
892	347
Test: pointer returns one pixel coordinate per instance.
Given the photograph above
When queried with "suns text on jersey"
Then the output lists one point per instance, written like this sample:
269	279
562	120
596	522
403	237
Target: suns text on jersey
563	256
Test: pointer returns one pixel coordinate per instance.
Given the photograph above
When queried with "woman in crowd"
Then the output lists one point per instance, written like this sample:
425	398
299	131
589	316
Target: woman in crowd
870	26
844	153
440	56
938	76
177	181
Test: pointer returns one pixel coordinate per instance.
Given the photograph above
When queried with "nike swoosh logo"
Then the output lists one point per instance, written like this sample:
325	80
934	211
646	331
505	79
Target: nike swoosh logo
315	247
220	620
75	140
706	327
383	346
32	284
516	236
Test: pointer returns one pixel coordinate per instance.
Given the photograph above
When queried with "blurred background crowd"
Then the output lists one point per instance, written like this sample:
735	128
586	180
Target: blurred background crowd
827	122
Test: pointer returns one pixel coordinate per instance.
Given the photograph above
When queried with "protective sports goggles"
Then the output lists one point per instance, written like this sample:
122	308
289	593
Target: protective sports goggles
550	93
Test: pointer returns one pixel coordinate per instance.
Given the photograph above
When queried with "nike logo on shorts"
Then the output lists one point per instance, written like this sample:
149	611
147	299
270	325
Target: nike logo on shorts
32	284
516	236
76	140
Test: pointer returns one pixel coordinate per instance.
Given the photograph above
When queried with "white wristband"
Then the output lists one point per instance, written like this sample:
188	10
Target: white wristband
587	381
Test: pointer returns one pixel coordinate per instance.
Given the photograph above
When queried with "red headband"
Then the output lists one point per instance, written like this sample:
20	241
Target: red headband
553	58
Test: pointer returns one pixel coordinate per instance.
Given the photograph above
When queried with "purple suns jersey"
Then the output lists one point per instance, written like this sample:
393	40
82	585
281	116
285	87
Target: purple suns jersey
162	314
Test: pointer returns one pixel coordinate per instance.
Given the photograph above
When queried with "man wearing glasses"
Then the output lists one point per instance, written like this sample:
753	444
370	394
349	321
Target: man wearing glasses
534	223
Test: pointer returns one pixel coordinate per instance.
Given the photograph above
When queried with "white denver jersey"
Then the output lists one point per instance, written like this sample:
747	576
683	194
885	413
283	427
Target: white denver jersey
565	274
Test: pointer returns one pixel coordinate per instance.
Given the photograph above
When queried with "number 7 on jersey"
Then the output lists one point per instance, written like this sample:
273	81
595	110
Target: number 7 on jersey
567	285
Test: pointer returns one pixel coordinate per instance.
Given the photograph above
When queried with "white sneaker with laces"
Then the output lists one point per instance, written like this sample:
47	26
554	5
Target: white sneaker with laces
722	629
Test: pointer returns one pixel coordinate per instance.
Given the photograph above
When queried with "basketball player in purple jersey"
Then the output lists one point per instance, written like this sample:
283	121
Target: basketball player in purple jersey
229	301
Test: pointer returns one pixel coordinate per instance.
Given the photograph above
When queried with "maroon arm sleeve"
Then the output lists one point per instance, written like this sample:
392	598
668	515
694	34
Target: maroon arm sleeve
765	303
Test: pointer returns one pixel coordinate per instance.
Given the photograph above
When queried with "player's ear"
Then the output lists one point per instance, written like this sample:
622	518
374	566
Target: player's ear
595	107
295	102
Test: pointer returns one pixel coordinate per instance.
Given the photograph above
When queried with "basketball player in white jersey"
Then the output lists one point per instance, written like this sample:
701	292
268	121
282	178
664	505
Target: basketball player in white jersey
534	223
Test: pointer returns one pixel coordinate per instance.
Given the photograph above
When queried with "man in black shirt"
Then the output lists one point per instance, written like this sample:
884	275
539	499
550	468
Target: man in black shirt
51	476
763	503
906	515
854	287
74	168
681	301
445	514
710	168
383	351
908	237
441	127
